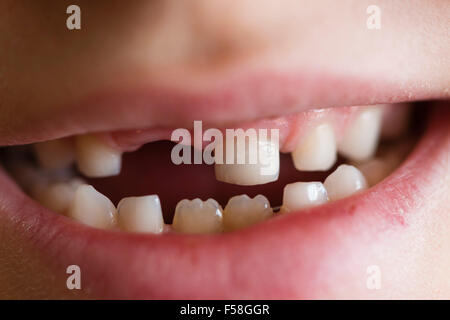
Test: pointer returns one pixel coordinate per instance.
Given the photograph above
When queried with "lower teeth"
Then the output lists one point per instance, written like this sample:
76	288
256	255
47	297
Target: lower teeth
141	214
92	208
302	195
242	211
197	216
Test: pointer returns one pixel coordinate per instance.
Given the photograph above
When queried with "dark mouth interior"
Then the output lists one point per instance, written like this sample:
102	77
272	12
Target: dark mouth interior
150	170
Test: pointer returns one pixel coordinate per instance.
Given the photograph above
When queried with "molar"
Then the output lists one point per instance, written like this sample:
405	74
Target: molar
55	154
56	196
375	170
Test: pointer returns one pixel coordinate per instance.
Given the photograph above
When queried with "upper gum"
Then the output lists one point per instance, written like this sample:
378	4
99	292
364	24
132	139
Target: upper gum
292	128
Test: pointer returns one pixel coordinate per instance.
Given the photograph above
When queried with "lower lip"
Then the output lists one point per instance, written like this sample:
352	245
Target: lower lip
312	254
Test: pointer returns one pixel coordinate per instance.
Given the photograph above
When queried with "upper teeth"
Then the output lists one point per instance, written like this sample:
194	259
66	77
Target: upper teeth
361	137
378	168
344	182
27	176
265	170
302	195
197	216
92	208
141	214
318	151
55	154
95	158
242	211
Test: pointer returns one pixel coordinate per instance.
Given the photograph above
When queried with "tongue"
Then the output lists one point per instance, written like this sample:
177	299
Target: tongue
150	170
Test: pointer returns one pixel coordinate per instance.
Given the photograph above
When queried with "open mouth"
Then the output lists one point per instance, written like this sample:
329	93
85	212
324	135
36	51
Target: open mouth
114	202
82	177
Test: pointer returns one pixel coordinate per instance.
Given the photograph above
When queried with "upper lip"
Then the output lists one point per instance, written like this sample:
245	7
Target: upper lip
293	256
242	97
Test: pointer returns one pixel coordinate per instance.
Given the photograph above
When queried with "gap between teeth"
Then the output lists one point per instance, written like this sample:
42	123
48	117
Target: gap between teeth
82	202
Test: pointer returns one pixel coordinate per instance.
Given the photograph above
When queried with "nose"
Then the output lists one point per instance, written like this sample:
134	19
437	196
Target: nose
209	32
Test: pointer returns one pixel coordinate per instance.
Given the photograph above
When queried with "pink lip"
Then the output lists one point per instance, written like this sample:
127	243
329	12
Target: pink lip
261	95
303	255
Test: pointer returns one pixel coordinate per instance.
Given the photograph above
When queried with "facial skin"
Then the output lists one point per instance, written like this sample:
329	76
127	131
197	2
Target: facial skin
44	68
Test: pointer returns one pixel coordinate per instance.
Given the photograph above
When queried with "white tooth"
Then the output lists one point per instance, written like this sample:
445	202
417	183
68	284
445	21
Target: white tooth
318	151
95	158
57	175
55	196
265	170
344	182
27	176
361	137
301	195
55	154
243	211
197	216
92	208
76	182
375	170
140	214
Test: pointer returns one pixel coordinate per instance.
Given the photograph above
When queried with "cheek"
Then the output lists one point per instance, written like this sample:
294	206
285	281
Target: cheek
407	262
23	273
414	262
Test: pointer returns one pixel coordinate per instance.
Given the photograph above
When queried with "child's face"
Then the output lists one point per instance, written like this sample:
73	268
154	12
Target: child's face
136	71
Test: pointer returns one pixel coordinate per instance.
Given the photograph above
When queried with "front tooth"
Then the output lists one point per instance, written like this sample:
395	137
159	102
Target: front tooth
361	137
265	170
55	196
301	195
197	216
344	182
92	208
55	154
318	151
141	214
95	158
243	211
